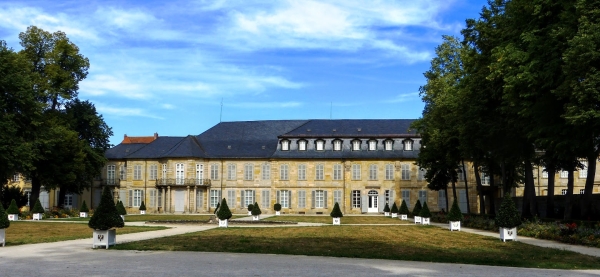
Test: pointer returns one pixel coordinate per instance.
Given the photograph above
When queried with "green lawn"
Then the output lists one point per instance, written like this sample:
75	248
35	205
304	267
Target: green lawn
345	220
411	242
147	217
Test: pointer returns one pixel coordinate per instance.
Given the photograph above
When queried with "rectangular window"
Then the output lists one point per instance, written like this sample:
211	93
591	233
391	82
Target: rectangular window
266	171
388	145
319	172
164	171
564	174
373	172
266	199
356	199
485	178
301	199
337	197
320	145
563	192
387	197
356	172
137	197
389	172
285	145
408	145
68	200
199	199
584	171
16	178
214	172
337	145
442	199
247	198
153	172
301	172
582	191
231	198
110	173
356	145
421	174
123	172
302	145
283	172
372	145
179	174
152	202
137	172
249	172
337	172
199	171
215	197
423	196
405	172
284	198
544	173
231	171
459	174
319	199
406	197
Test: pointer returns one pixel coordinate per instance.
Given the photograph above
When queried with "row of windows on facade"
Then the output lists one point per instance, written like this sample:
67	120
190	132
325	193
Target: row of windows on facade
319	173
337	145
563	174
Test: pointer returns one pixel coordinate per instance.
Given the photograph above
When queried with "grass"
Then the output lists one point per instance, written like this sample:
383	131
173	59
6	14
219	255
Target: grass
147	217
23	232
413	243
345	220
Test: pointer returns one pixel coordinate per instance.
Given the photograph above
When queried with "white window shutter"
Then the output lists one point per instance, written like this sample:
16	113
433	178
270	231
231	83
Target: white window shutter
381	203
313	200
325	199
364	203
278	195
130	198
289	198
243	199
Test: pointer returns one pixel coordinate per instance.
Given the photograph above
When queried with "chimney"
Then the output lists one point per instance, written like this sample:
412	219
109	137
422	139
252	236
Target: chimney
155	135
124	136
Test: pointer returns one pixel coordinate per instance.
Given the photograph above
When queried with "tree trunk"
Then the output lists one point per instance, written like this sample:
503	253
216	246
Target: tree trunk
550	197
61	198
492	192
36	186
531	209
479	189
464	172
446	193
454	189
568	205
587	209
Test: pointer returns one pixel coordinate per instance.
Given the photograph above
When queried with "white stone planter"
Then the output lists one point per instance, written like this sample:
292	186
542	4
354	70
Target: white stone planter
454	225
223	223
13	217
508	234
403	217
277	213
37	216
123	217
394	215
336	221
386	213
104	238
417	220
255	217
3	236
425	220
249	212
142	211
83	214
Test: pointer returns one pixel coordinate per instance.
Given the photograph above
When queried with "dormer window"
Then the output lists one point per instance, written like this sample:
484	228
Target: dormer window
285	145
388	145
356	145
372	145
320	145
408	145
337	145
302	145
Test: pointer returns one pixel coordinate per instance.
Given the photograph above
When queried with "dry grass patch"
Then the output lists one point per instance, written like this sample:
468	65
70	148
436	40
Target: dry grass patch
415	243
22	232
147	217
345	220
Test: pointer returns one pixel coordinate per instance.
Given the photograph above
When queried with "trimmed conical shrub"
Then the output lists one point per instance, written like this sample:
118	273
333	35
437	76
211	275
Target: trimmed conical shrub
142	206
250	207
37	208
256	209
4	222
386	208
120	208
12	208
106	216
277	207
455	214
84	207
224	212
336	212
417	209
394	209
508	215
217	208
425	211
403	208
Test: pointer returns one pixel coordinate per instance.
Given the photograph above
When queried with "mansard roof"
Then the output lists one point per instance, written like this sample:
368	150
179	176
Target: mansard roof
123	150
354	128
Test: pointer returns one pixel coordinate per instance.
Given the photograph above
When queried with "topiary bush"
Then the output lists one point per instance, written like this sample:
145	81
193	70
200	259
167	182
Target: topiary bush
84	208
106	216
142	206
120	208
277	207
386	208
37	208
256	209
425	211
12	208
403	208
336	212
417	210
217	208
224	212
455	214
250	207
394	209
4	222
508	215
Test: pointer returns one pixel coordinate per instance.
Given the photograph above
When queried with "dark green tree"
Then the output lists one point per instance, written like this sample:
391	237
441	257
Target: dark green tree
37	208
417	209
425	211
121	208
12	208
256	209
454	214
106	216
336	212
142	206
277	207
394	209
224	212
386	208
508	215
9	193
217	208
4	222
403	208
84	208
250	207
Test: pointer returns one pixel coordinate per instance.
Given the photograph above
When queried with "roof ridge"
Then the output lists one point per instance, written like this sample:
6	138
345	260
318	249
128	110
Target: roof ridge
303	124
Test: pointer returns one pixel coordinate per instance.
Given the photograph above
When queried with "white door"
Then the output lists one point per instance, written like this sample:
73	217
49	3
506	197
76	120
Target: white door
44	199
179	200
373	198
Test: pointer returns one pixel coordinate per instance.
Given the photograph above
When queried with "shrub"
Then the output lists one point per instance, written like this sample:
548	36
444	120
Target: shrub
37	208
4	222
403	208
120	208
508	215
336	212
425	211
217	208
12	192
277	207
12	208
224	212
256	209
84	208
386	208
394	208
417	209
142	206
250	207
455	214
106	216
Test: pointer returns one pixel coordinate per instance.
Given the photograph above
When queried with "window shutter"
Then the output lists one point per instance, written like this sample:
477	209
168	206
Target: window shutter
242	199
364	204
254	196
381	203
313	200
130	198
325	199
289	198
278	195
143	198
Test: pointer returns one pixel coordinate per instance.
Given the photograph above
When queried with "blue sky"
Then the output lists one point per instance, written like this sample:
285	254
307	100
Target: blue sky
166	66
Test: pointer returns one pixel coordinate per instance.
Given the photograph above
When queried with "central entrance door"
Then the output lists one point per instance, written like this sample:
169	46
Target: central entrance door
373	201
179	200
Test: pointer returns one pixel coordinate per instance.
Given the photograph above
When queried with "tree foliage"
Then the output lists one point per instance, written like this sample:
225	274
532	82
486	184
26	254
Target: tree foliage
106	216
403	208
455	214
84	208
425	211
256	209
9	193
336	212
142	206
4	222
417	209
277	207
224	212
121	208
508	215
386	208
13	208
37	208
394	209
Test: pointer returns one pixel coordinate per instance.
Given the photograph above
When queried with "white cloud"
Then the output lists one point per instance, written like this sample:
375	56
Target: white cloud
404	97
124	112
274	105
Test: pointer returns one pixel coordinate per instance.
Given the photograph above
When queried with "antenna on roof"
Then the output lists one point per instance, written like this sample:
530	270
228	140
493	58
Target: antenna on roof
221	114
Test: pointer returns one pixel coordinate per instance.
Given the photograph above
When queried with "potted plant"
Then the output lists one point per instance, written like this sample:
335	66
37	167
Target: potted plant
121	209
38	210
336	214
84	211
416	211
256	211
4	223
403	211
250	208
454	216
224	214
425	214
277	208
104	220
143	208
508	219
394	210
13	211
386	210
